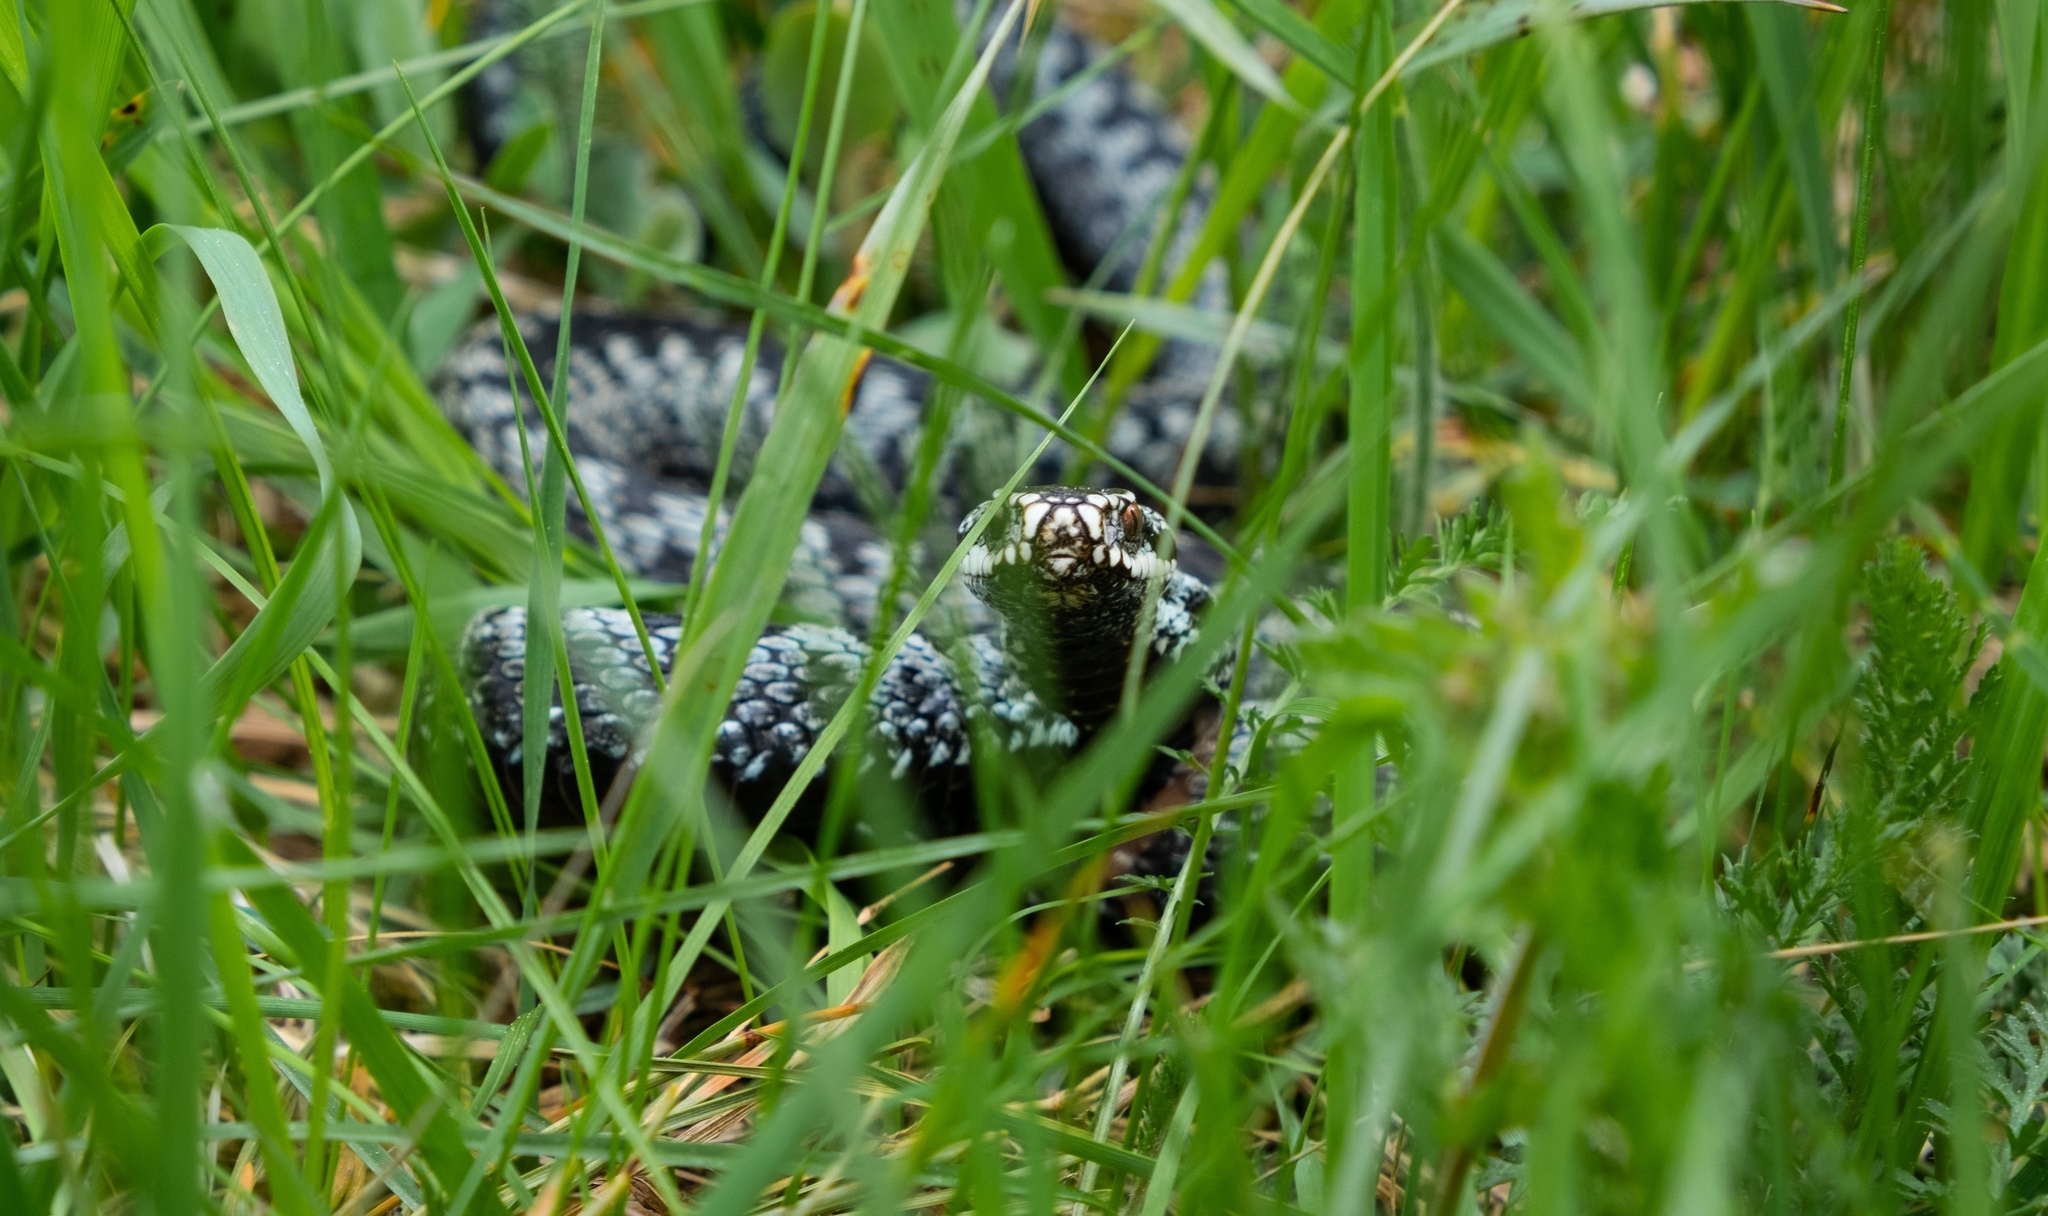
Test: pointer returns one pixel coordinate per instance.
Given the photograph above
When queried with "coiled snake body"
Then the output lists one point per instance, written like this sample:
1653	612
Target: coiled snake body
1063	570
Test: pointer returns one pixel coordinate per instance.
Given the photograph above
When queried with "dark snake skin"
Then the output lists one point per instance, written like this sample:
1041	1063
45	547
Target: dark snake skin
1062	570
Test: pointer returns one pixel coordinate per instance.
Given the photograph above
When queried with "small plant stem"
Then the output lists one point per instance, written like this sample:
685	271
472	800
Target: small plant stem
2040	873
1219	765
1711	809
408	704
1368	525
1134	1019
1500	1039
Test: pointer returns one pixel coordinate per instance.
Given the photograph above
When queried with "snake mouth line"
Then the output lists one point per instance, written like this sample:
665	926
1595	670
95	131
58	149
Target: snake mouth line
983	562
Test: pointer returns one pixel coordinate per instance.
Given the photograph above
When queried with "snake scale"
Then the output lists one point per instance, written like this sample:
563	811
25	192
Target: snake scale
1035	663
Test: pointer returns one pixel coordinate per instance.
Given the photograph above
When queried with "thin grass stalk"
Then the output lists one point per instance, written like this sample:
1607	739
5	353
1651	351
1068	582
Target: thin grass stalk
728	436
557	436
1135	1022
828	168
911	516
1369	521
99	406
162	575
334	896
1960	1049
408	703
1999	472
836	730
1233	343
559	1013
1422	294
728	443
549	498
1859	231
1732	144
1562	271
1167	227
336	829
1306	412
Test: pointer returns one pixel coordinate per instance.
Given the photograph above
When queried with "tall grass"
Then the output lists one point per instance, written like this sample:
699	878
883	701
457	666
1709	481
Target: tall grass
1641	510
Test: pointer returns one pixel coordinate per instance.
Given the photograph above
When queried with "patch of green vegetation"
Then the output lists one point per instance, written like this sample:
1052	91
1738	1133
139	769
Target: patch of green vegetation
1641	507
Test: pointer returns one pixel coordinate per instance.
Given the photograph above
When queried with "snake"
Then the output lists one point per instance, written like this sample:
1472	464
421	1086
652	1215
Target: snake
1059	579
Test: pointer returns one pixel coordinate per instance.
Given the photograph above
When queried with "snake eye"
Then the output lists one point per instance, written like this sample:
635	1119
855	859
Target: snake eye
1133	520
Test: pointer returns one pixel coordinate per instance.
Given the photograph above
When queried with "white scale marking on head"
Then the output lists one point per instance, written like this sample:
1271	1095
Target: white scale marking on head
1062	518
1034	514
1092	516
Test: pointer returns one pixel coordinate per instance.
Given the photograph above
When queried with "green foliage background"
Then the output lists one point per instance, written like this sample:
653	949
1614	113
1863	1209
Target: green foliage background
1645	456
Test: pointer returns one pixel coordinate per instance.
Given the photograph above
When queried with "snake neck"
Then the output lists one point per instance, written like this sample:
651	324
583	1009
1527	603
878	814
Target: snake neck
1074	658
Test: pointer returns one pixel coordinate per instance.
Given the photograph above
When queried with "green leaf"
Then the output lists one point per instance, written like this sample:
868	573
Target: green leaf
1998	473
1302	37
842	929
1513	314
918	37
689	48
351	213
305	601
1779	36
1213	30
13	51
253	317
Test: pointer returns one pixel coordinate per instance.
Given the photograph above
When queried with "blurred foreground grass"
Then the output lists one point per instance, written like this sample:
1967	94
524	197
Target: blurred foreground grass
1645	433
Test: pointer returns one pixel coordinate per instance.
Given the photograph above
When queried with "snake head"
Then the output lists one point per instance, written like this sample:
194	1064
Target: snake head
1066	543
